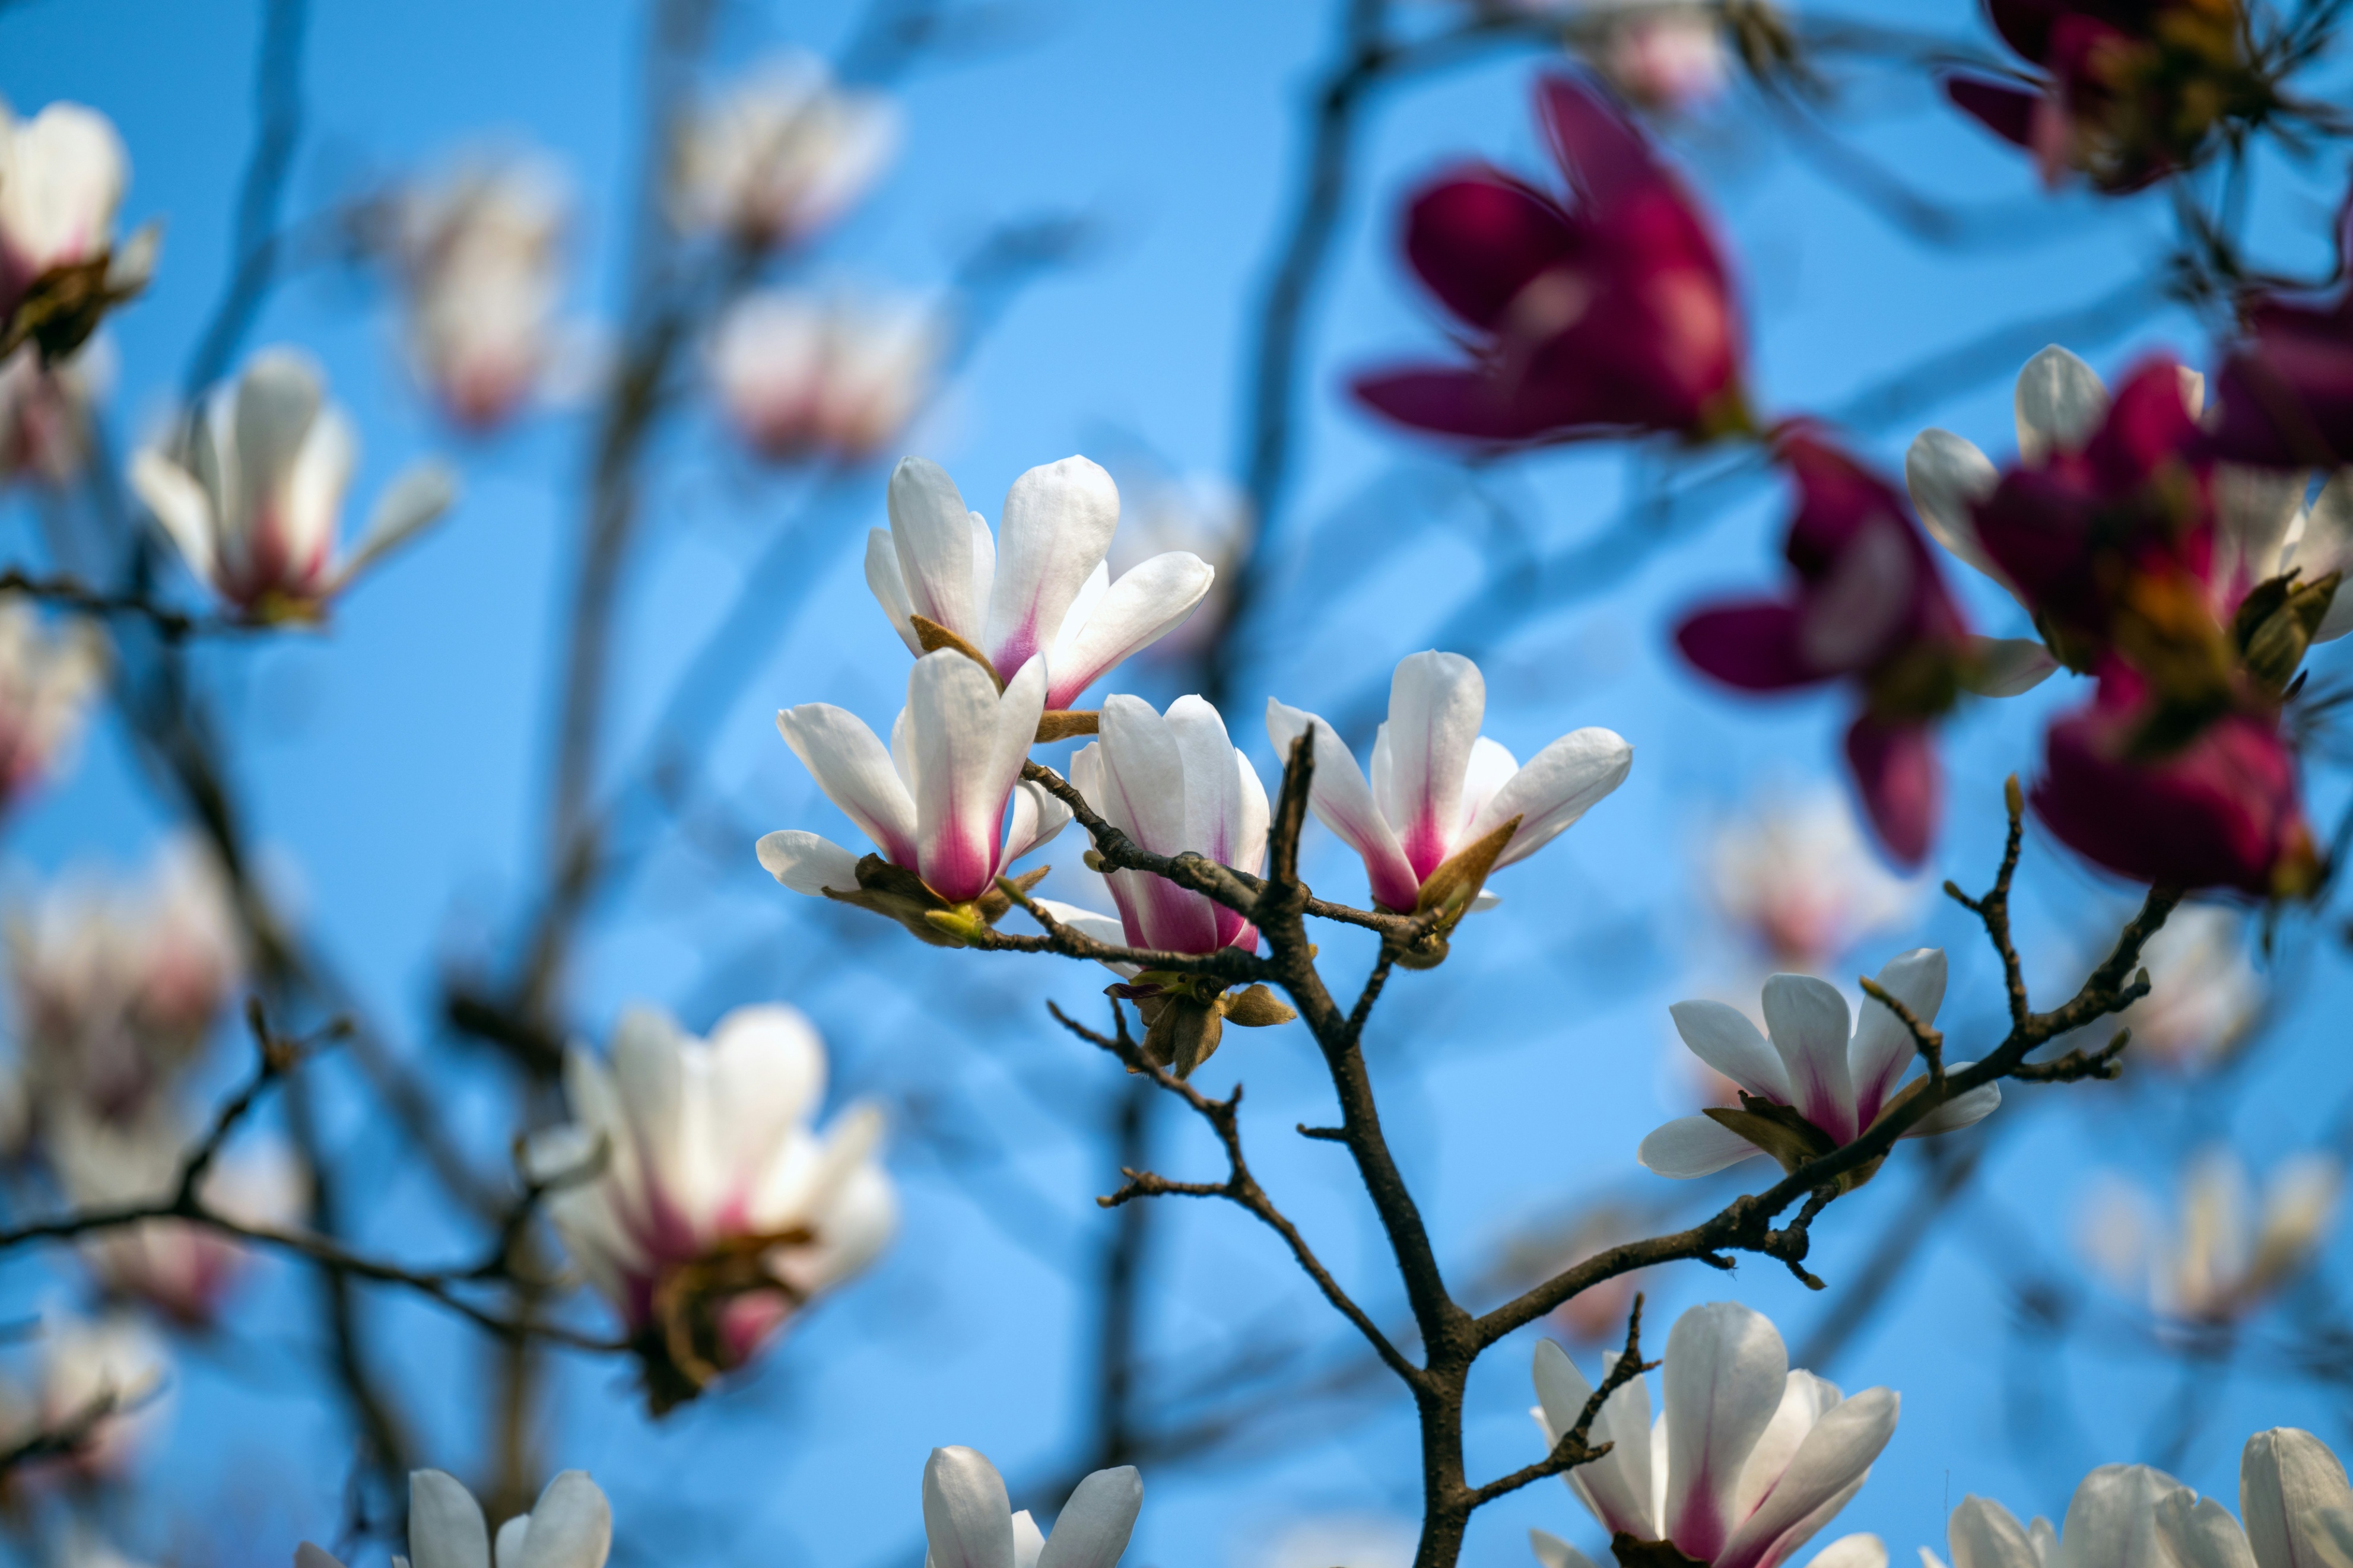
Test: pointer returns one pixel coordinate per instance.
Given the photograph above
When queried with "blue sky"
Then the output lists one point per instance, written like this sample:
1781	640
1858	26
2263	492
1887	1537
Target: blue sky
396	764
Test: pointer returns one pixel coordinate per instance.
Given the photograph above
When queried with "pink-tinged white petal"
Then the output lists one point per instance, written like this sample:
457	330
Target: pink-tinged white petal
807	863
1087	922
1145	785
2005	666
1806	1019
649	1078
967	1520
1617	1487
180	504
762	1074
1553	789
1724	1038
1436	702
1857	1551
1804	1398
1962	1111
1250	838
1057	528
1492	767
445	1523
931	530
1342	801
1726	1371
307	500
960	788
889	586
1149	601
1037	819
1948	477
416	499
1693	1146
2060	402
1019	709
1827	1467
1092	1529
1883	1047
856	774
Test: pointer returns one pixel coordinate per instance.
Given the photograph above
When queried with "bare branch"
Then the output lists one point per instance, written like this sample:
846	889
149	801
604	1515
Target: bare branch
1574	1448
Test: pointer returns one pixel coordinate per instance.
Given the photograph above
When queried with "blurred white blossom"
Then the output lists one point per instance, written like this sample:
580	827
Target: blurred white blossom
1797	878
781	154
44	411
805	376
2226	1253
255	502
2205	993
62	175
571	1526
107	1378
47	681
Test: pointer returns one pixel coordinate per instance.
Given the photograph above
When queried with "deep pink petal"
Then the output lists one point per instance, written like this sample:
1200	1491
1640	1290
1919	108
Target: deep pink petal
1477	239
1753	645
2007	111
1902	784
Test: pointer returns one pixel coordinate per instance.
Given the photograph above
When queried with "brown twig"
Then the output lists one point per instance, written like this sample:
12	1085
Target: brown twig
1575	1448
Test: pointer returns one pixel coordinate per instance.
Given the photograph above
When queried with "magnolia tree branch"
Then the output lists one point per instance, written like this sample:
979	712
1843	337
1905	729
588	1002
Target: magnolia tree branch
1575	1448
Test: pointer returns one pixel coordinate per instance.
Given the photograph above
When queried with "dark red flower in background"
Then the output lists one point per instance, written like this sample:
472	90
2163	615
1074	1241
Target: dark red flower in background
2284	393
1610	314
1869	606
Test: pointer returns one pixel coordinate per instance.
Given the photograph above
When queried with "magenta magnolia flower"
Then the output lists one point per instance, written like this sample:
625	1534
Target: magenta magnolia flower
1869	606
2221	811
2284	393
1607	314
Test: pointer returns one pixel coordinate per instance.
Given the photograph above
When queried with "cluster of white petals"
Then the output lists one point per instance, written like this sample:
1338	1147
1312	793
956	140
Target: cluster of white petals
696	1144
1798	880
47	680
781	154
1749	1460
802	375
571	1526
254	497
2227	1252
969	1521
1839	1082
62	175
1438	785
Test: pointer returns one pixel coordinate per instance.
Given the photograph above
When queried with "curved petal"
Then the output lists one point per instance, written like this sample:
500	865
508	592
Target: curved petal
307	1555
1551	1551
960	791
1831	1461
1615	1489
421	493
1806	1019
2254	510
445	1523
1146	785
571	1526
1805	1399
1693	1146
807	863
1436	702
1039	819
1883	1047
180	504
1149	601
1859	1550
1725	1373
2112	1519
507	1546
1058	523
1553	789
931	530
2288	1480
763	1077
1722	1036
2060	402
2326	546
1343	802
1964	1111
2005	666
1948	477
889	587
1982	1534
967	1521
1029	1544
855	772
1092	1529
2200	1532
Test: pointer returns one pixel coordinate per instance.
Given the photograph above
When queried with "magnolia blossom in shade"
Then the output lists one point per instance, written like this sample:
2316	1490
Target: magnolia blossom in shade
2229	1252
571	1526
44	411
718	1211
1040	588
253	501
2285	391
780	154
1869	607
801	376
479	254
62	175
113	1366
1608	314
1749	1458
1806	1086
1439	789
1796	877
47	680
945	805
969	1521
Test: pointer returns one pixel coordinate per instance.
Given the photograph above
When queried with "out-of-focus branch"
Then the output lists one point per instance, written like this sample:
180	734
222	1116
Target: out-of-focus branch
253	247
70	593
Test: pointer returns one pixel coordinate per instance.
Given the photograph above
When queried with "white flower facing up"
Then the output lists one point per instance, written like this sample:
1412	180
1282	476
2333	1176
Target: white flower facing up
47	683
1749	1458
479	252
1806	1086
804	376
1040	588
2228	1253
62	175
945	804
1439	789
1798	879
571	1526
781	155
254	502
1175	784
969	1521
719	1210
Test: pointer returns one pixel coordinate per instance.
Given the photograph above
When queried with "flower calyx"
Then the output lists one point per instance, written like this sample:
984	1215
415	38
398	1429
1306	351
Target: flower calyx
1633	1552
65	304
1450	890
1185	1015
2275	624
899	894
1792	1140
688	1343
1053	724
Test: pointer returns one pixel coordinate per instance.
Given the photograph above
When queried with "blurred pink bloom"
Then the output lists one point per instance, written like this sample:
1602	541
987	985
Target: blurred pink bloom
2285	388
479	255
1808	1062
1608	316
253	503
45	412
1869	606
1749	1460
1798	880
1041	586
707	1146
781	155
1438	785
62	175
1666	58
803	377
115	1360
47	680
945	800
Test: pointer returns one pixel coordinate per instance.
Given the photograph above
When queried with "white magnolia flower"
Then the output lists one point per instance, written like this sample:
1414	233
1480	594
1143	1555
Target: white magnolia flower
968	1523
2294	1498
2230	1254
704	1146
1838	1086
571	1526
946	801
802	376
254	504
1749	1458
113	1366
1799	880
2262	526
1040	587
116	984
2205	993
1201	514
47	684
479	252
62	175
1439	786
44	411
782	153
